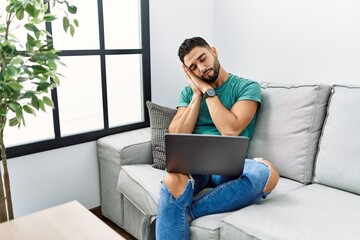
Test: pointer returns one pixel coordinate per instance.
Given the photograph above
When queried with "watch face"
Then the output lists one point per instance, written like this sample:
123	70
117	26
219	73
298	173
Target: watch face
210	92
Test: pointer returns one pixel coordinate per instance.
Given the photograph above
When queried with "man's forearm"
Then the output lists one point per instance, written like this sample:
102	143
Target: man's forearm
231	122
224	120
184	121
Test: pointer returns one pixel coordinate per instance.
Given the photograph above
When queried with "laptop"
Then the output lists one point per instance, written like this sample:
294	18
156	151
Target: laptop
205	154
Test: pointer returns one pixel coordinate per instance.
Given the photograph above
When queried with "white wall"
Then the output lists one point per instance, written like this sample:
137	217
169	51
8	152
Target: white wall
280	41
50	178
170	23
290	41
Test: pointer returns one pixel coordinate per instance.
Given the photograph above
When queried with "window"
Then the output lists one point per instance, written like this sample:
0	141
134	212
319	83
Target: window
106	79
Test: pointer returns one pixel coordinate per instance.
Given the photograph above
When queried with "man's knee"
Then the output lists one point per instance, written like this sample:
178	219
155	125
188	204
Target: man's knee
273	178
176	183
255	174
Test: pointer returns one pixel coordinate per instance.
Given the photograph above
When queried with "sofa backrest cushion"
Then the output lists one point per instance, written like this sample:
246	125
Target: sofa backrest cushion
288	127
338	160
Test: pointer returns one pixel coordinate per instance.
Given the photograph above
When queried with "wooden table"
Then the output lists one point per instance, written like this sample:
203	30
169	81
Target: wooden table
70	221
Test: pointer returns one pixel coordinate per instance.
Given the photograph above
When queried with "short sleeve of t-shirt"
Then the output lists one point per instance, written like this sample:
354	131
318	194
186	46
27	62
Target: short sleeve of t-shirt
185	97
250	90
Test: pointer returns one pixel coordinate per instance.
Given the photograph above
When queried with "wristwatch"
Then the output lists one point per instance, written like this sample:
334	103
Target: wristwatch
209	93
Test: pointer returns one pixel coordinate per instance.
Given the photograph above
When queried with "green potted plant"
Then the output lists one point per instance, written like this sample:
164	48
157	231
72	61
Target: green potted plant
28	70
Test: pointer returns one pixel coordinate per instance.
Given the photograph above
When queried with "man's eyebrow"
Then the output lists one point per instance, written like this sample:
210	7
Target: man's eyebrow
201	56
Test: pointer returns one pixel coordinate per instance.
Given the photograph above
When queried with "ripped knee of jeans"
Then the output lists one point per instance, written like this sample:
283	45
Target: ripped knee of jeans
176	183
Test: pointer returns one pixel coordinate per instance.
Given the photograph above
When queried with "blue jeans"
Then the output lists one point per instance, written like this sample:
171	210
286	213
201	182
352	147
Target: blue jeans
228	194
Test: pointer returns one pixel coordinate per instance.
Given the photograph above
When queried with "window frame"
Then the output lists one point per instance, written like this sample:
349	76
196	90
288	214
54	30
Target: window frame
58	141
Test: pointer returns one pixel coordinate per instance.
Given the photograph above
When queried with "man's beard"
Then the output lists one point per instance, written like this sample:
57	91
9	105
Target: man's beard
216	69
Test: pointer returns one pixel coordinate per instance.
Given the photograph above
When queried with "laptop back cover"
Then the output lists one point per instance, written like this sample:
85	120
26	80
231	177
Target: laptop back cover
205	154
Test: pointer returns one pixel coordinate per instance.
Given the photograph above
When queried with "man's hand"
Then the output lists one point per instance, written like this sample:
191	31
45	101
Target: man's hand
185	118
197	85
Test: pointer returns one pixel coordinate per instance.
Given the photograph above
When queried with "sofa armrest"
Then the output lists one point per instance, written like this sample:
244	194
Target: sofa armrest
132	147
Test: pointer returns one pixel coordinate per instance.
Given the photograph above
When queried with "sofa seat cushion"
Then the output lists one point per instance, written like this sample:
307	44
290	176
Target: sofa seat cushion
284	186
207	227
140	183
312	212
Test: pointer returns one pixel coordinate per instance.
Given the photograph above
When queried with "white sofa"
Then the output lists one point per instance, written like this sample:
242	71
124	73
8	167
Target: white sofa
310	132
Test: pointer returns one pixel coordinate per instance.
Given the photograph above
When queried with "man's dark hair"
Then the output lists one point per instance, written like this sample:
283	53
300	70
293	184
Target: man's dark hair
189	44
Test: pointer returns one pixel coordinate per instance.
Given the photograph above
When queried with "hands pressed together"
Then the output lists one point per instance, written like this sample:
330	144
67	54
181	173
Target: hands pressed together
197	85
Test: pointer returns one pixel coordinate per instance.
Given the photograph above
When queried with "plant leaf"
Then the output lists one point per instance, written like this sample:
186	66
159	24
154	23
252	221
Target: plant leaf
43	86
17	60
27	94
14	106
19	114
30	40
66	23
29	110
30	9
49	17
13	122
35	102
56	80
76	22
2	28
31	27
48	101
10	72
42	105
72	9
72	30
29	48
37	20
9	49
20	14
15	85
52	64
38	69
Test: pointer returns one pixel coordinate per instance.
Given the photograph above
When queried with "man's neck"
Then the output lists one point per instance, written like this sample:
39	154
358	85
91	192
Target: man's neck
223	76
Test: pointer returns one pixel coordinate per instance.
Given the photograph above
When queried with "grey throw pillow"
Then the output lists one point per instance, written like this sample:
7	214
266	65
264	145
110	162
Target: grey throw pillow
160	118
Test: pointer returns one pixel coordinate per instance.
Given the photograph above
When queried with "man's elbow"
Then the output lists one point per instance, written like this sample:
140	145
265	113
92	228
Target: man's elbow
231	132
172	128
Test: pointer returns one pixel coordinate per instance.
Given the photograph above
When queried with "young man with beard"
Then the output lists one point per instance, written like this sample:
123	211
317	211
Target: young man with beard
215	102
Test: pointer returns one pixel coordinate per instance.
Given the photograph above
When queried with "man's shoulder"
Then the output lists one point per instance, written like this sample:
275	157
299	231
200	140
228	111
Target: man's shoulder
185	97
187	91
243	82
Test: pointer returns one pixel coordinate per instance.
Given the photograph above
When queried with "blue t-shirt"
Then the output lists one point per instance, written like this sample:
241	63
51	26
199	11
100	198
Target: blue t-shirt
232	90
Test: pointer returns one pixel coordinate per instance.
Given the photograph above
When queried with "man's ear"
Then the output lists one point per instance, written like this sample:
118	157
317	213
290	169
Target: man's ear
214	52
